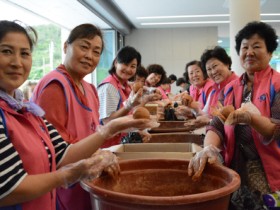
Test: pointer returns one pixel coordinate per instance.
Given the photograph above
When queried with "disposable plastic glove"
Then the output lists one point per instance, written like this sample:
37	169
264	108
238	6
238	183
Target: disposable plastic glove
199	122
90	168
134	99
197	164
124	125
183	112
243	115
150	94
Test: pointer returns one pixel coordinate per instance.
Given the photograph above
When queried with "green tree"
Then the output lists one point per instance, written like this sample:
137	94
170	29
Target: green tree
48	36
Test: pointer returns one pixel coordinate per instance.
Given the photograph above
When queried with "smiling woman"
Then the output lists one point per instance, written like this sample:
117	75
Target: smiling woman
74	112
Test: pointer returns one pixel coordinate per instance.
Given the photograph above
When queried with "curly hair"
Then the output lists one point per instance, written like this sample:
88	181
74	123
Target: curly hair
218	53
158	69
194	62
264	30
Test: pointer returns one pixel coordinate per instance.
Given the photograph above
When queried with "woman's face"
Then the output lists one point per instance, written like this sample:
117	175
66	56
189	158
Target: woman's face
140	79
82	56
253	54
125	71
153	79
15	61
195	75
217	70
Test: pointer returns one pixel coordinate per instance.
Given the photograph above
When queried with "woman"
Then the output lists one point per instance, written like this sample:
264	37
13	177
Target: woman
114	91
249	141
217	64
156	74
32	150
140	76
75	111
201	86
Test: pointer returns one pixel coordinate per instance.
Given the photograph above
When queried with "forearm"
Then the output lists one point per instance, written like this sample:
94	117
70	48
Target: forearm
32	187
212	138
263	125
84	148
119	113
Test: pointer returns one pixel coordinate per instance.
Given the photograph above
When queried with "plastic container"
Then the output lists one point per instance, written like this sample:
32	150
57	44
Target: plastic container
150	184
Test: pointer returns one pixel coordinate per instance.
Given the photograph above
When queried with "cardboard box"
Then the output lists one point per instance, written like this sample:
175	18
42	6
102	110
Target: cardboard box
155	150
178	137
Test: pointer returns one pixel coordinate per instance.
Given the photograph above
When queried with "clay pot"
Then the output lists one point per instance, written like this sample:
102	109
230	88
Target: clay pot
149	184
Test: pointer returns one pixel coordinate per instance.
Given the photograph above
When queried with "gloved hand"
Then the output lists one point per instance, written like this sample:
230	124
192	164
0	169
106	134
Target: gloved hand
197	164
146	136
183	112
90	168
150	94
243	114
199	122
134	99
124	125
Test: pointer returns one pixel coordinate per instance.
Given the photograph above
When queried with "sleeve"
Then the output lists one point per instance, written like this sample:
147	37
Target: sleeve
59	144
53	102
11	167
109	99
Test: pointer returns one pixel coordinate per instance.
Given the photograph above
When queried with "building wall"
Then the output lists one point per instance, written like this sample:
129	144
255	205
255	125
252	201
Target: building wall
172	48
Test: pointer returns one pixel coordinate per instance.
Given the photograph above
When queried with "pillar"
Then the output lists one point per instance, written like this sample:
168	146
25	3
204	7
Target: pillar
241	12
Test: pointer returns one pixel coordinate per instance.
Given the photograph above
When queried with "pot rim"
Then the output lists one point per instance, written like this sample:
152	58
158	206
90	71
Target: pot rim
167	200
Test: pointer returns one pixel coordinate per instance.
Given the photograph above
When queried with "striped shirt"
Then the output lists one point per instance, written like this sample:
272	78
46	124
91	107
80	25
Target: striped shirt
11	166
109	99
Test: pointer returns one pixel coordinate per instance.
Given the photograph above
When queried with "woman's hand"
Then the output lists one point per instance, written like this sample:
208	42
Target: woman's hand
91	168
125	124
197	164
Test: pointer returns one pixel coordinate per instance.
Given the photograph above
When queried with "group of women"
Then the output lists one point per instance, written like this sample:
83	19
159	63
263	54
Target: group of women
52	142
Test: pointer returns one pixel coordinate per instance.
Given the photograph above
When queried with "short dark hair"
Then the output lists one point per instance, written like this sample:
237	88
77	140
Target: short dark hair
194	62
85	30
166	81
172	77
158	69
125	55
218	53
18	27
180	81
264	30
140	72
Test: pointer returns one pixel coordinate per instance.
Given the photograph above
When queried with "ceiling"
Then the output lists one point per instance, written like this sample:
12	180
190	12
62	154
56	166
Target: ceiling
124	14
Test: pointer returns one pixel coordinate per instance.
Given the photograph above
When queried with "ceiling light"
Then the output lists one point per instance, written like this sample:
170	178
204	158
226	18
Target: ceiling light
181	23
182	16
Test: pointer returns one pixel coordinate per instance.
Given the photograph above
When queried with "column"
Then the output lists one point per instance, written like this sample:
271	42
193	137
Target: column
241	12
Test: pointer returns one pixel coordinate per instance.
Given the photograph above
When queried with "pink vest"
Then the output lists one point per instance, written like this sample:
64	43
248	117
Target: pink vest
28	134
163	92
124	94
86	119
266	85
217	88
201	94
82	122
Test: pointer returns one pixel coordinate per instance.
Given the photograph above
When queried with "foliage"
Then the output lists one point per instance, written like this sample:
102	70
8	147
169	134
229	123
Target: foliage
47	35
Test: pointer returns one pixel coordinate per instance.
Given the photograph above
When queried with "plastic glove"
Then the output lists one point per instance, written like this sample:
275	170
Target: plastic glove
183	112
124	125
146	136
150	94
201	121
197	164
134	99
90	168
243	114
